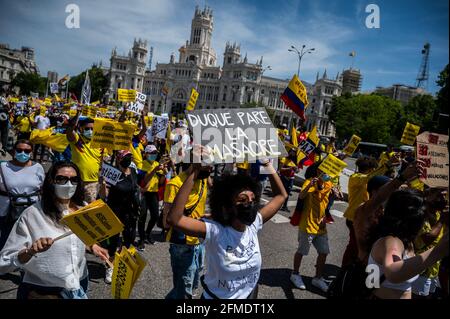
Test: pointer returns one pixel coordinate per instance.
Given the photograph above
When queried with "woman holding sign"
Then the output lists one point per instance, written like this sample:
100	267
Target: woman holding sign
233	256
52	258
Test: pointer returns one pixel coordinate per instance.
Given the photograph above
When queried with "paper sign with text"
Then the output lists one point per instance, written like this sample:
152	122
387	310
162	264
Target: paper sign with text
235	135
128	266
93	223
192	100
136	107
432	150
332	166
112	135
110	174
352	145
141	97
409	134
124	95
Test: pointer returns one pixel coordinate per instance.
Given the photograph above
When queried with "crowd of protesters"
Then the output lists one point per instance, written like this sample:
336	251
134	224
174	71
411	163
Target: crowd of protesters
210	215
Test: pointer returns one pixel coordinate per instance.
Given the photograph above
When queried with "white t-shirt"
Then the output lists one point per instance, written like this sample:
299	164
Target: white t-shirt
233	259
43	122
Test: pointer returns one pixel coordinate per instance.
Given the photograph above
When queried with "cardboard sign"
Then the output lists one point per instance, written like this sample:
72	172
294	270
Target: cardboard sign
124	95
332	166
432	149
235	134
136	107
110	174
89	111
192	100
352	145
112	135
159	128
128	266
93	223
54	87
141	98
409	134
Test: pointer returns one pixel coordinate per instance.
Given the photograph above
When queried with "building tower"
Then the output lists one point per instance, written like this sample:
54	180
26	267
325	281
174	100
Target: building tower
232	54
351	81
424	72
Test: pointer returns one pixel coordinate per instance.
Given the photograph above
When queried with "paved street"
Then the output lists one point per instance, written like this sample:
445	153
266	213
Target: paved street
278	241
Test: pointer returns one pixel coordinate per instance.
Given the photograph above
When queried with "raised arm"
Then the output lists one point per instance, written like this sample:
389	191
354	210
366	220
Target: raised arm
144	126
70	132
279	195
175	217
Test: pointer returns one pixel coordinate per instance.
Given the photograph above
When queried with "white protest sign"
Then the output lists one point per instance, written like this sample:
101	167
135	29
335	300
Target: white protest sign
159	126
54	87
432	150
136	107
110	174
140	97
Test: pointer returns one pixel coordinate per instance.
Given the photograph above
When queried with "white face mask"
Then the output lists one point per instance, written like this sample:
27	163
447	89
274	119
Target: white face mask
65	191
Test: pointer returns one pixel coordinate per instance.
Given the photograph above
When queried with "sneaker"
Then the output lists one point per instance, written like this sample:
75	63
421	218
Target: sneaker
320	283
297	281
329	219
108	275
150	240
141	246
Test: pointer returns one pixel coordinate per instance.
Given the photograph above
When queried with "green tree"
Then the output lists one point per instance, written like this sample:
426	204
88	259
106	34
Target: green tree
99	83
371	117
442	97
29	82
419	111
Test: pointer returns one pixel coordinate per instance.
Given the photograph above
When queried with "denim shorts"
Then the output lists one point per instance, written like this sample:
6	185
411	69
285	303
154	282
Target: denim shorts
320	242
424	286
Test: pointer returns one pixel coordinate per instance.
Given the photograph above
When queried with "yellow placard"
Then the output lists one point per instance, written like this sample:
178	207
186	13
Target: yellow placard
192	100
332	166
352	145
14	99
112	135
128	266
409	134
89	111
125	95
93	223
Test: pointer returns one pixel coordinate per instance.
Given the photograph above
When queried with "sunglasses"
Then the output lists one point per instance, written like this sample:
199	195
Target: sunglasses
27	151
62	180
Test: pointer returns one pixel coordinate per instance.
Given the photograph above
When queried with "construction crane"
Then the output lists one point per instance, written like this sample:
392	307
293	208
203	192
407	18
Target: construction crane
424	71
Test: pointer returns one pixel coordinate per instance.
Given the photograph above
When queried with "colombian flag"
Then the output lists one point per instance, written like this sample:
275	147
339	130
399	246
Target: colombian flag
295	97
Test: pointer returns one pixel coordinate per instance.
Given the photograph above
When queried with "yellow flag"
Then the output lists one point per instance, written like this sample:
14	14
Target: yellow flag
294	138
192	100
168	140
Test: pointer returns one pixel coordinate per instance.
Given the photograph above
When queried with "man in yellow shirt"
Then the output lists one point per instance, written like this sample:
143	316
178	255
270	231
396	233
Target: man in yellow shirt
153	172
392	157
23	126
312	228
186	252
87	159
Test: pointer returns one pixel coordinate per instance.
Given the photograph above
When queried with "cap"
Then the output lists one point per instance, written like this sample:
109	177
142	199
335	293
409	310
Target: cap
122	154
150	148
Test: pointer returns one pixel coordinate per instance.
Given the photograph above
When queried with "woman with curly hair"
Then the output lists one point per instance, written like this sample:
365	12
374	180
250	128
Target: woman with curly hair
233	257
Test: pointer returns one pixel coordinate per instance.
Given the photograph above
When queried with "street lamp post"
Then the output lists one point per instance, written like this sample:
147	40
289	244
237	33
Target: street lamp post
300	54
260	84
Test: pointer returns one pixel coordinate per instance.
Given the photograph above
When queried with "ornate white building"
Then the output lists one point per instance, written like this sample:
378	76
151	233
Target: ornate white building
236	83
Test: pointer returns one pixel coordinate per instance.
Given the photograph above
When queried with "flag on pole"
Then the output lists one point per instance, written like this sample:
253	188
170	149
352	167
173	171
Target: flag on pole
295	97
64	79
294	138
352	54
86	91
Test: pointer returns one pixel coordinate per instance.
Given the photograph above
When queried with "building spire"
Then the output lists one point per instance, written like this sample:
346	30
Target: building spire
324	74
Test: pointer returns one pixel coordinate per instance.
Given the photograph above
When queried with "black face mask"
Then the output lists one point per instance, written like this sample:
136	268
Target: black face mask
125	162
246	214
203	174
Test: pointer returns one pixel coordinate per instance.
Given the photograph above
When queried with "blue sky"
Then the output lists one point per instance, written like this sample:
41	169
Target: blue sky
391	54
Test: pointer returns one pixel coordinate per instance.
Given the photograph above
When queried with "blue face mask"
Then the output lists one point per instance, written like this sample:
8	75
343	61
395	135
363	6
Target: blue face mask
22	157
87	134
152	157
325	177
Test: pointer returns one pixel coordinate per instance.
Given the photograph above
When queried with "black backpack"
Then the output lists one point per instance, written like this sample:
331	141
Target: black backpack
350	283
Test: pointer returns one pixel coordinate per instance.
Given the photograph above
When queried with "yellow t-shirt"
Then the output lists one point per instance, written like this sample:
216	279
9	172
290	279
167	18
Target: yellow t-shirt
171	191
86	158
154	181
315	204
23	124
420	246
385	157
357	194
136	152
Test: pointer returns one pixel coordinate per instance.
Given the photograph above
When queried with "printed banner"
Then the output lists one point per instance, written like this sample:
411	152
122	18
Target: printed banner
124	95
192	100
432	149
409	134
332	166
235	134
93	223
112	135
352	145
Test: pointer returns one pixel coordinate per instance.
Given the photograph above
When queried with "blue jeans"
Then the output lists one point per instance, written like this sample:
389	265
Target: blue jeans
187	263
